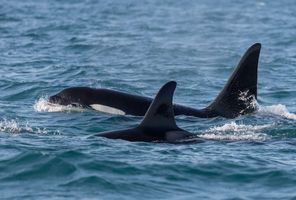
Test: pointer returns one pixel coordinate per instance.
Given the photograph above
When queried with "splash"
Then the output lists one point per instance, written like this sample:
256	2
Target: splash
251	103
249	100
10	126
43	105
280	110
15	127
235	132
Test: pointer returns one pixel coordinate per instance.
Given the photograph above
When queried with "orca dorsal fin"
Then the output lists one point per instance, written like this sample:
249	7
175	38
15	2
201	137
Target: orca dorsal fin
238	94
160	113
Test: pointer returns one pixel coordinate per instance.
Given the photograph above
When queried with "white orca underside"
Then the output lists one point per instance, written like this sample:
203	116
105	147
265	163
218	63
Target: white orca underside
107	109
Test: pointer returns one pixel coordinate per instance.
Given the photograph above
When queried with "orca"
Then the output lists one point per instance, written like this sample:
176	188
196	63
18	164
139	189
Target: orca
236	98
158	124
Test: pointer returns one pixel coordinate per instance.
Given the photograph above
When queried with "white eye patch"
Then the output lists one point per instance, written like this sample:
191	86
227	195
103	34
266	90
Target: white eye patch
107	109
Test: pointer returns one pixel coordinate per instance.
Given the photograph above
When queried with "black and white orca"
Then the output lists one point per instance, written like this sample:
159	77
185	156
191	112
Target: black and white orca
159	123
236	98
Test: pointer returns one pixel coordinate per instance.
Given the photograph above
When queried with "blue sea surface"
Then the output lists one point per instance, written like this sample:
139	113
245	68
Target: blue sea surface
46	151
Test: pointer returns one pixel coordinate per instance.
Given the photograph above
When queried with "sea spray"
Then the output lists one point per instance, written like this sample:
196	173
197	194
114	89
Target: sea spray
43	105
279	109
14	126
233	131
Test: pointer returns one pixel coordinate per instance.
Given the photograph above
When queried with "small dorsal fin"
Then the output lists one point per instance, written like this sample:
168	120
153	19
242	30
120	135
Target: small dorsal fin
160	114
235	99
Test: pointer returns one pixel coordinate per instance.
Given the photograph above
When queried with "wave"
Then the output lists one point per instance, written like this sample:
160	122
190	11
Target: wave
43	105
14	127
235	132
279	109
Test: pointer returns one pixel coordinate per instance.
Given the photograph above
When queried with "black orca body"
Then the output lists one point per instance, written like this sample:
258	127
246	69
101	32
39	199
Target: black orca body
235	99
158	124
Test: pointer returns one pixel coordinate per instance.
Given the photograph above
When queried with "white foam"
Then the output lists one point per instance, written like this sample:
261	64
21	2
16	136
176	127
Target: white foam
249	100
9	126
233	126
235	132
15	127
279	109
43	105
107	109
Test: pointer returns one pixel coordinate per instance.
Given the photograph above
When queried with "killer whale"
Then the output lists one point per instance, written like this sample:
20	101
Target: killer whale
158	124
236	98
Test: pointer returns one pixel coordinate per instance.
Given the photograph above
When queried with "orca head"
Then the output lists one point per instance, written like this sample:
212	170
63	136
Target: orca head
75	96
57	99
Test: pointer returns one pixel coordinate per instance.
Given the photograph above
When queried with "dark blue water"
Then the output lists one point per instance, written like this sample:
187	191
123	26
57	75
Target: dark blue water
136	46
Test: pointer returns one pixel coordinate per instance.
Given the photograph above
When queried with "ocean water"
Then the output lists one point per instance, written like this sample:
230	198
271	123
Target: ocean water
136	46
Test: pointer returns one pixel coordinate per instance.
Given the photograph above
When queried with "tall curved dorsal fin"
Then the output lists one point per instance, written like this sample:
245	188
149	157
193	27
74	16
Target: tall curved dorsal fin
160	114
235	99
245	74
